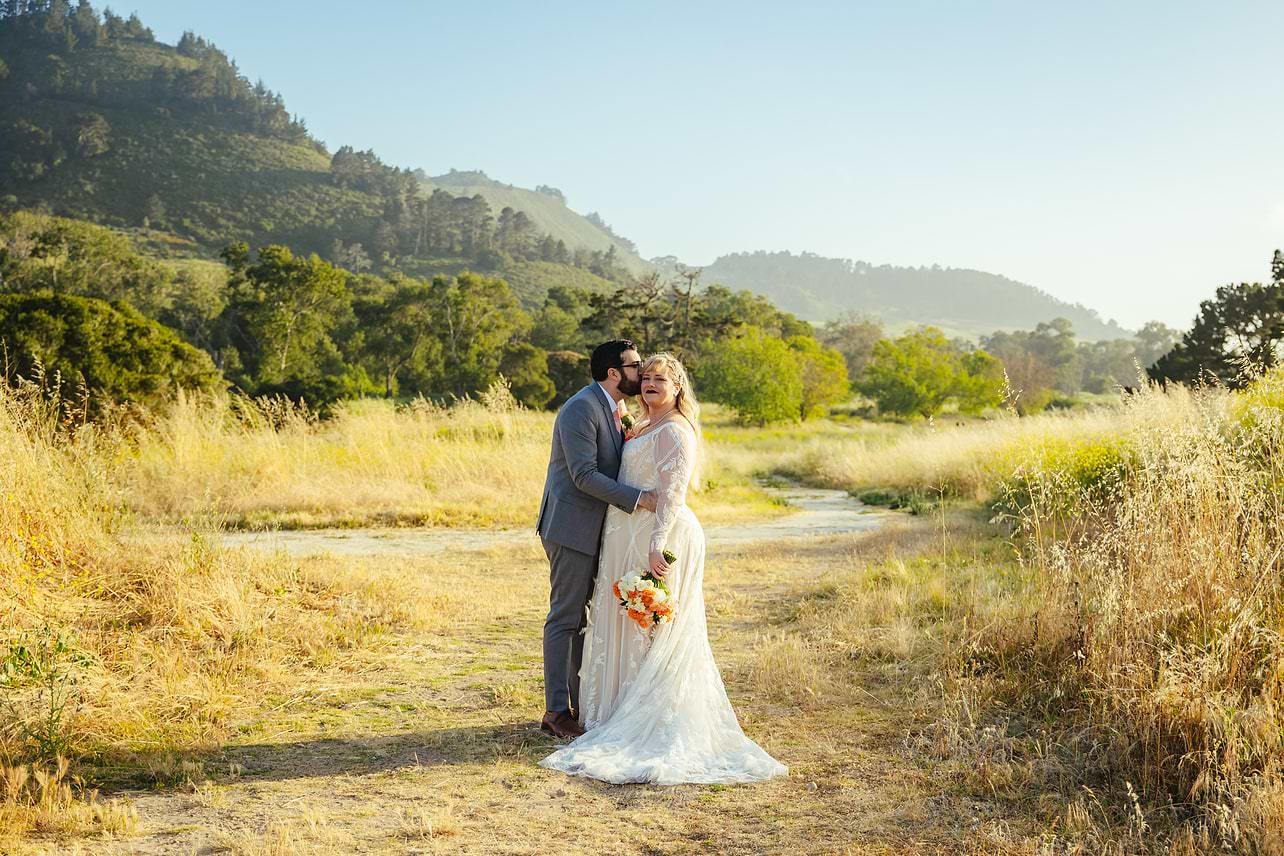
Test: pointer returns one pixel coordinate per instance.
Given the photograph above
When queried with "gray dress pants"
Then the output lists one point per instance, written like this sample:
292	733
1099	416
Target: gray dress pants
571	585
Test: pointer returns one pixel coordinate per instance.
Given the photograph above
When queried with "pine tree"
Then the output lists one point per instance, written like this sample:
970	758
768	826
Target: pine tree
56	17
187	44
548	249
1238	333
135	30
113	24
89	30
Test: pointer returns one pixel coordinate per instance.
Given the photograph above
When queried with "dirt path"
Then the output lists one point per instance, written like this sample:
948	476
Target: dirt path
817	512
428	743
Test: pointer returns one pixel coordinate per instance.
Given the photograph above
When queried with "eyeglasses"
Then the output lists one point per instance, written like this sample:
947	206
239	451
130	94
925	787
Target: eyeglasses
636	365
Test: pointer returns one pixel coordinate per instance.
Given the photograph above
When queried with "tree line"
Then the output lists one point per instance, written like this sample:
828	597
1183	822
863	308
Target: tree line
277	322
1237	335
273	322
82	300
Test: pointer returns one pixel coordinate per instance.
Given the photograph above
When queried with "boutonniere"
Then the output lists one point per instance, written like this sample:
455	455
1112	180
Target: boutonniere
626	421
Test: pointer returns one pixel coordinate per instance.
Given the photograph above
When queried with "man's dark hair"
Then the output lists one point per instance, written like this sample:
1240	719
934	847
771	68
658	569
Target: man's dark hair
607	356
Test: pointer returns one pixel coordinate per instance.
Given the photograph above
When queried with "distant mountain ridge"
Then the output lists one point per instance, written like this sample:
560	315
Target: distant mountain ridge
960	301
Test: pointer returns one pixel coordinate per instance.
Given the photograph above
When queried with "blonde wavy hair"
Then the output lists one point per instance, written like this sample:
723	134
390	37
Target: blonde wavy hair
685	403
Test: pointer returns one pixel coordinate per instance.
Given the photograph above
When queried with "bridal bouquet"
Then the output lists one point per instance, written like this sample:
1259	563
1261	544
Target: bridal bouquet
645	597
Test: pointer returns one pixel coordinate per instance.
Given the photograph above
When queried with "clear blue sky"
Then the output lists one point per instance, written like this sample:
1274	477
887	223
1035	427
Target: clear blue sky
1122	155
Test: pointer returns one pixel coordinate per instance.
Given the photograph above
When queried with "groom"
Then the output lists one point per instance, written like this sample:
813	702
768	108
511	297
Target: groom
588	440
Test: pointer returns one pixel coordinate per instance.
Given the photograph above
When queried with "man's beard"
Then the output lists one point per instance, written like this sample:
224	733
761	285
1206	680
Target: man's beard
630	387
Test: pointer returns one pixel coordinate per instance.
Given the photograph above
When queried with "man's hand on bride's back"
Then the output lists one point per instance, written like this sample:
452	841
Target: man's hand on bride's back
647	500
659	567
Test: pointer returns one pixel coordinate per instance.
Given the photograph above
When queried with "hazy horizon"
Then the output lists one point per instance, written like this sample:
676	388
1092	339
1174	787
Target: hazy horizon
1115	157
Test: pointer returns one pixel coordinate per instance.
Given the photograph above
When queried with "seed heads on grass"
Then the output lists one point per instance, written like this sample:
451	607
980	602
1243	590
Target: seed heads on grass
427	822
43	798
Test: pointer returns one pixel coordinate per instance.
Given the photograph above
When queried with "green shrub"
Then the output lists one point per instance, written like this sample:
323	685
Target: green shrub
1262	401
119	354
1060	476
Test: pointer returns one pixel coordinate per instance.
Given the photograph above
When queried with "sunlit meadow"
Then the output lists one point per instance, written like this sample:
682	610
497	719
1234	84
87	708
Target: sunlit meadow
1084	607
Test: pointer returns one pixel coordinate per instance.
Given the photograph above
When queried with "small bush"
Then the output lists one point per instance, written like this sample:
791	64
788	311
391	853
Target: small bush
38	698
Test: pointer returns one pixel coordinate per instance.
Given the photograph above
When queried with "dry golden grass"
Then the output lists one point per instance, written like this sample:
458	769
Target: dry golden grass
1128	641
40	799
959	459
1139	653
116	649
1136	647
478	463
256	464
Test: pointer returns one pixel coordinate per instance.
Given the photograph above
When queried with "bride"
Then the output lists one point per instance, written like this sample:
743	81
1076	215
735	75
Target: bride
653	704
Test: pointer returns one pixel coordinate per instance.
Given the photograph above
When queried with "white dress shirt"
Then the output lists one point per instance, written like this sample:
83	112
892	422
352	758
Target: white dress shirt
609	400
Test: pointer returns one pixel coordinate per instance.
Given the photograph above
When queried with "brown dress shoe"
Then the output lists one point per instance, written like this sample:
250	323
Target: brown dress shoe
560	724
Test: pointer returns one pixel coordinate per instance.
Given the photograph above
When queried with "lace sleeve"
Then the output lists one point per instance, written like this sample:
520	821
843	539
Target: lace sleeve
674	459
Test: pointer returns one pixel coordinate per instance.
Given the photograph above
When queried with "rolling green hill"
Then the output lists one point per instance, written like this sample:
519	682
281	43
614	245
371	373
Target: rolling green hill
962	302
547	207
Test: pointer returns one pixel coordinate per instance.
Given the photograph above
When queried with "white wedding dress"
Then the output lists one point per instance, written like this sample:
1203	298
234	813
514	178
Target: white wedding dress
652	702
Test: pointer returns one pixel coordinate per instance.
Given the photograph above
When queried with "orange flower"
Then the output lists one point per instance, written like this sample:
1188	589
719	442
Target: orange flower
616	588
642	618
648	598
664	609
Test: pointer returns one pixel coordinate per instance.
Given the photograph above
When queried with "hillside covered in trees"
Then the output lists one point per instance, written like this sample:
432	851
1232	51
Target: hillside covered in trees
100	122
547	208
961	302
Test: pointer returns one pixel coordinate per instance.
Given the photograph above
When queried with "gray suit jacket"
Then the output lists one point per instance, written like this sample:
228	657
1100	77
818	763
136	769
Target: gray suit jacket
582	472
